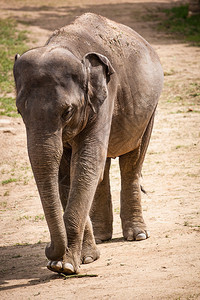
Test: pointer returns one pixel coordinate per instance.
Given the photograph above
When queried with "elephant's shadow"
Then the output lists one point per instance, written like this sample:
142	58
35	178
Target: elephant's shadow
27	263
23	262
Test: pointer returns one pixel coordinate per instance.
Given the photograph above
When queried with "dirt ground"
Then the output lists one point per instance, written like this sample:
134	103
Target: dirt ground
165	266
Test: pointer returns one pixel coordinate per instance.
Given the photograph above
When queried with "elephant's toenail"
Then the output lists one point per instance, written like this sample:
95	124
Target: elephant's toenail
49	265
98	241
88	260
56	265
68	268
130	238
148	234
141	236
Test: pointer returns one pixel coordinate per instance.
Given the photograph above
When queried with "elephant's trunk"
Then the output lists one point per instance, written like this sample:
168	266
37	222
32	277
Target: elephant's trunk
45	152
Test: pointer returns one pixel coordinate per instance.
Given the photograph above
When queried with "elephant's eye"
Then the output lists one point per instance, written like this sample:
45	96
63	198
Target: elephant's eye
67	113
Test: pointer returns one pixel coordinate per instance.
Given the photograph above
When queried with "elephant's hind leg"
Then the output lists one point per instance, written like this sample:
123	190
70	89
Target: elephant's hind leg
133	224
101	211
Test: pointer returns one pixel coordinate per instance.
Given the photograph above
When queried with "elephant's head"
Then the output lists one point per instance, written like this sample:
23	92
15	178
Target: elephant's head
56	95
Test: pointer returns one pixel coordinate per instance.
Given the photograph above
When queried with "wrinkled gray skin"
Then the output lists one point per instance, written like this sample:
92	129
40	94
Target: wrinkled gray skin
87	96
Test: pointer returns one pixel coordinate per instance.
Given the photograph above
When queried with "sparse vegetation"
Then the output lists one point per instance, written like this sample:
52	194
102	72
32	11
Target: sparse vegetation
7	107
117	210
32	218
12	41
3	204
177	22
169	73
8	181
179	146
39	218
7	193
187	94
16	173
21	244
24	218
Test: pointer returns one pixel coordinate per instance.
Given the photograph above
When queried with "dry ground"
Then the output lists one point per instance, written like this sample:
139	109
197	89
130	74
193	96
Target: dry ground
167	265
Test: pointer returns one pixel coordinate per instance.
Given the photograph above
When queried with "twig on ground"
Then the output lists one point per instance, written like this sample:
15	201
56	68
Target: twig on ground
78	275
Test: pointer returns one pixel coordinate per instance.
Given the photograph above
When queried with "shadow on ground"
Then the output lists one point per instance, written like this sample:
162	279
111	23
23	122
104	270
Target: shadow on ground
16	259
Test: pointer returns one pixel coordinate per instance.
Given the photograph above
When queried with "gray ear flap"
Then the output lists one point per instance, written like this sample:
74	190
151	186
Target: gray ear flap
99	70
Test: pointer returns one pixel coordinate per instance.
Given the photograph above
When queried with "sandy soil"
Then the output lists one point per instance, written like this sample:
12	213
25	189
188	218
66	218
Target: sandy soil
165	266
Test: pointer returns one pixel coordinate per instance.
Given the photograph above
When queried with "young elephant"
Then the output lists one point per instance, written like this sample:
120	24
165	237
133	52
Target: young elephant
88	95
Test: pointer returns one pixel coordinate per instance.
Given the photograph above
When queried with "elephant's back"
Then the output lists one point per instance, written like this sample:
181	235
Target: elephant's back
94	33
129	53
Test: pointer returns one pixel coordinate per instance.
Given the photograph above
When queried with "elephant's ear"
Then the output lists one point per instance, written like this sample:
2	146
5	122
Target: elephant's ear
98	71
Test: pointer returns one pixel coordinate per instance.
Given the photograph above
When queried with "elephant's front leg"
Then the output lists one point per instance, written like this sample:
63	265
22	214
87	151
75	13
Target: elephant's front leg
89	251
87	165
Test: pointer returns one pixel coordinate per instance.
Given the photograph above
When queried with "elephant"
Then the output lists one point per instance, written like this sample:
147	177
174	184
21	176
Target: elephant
88	95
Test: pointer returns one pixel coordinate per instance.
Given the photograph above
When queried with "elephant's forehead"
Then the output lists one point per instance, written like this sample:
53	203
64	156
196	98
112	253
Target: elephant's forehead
51	61
50	66
61	58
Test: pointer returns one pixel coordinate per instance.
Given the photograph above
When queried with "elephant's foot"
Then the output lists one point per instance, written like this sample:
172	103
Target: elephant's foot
89	253
135	231
102	233
61	267
100	238
69	264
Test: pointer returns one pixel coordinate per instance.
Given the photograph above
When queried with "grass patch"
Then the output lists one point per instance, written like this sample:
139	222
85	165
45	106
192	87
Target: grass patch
12	41
116	210
6	194
4	182
3	204
21	244
8	107
183	93
177	22
169	73
179	146
24	218
39	218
